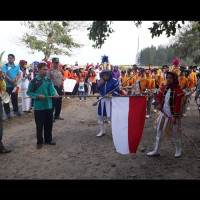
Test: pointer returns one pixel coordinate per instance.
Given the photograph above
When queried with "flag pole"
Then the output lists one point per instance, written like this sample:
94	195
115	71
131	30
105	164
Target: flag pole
184	134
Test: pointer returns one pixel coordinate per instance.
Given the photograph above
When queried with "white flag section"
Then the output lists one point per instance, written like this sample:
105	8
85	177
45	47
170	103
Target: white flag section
128	118
69	85
120	124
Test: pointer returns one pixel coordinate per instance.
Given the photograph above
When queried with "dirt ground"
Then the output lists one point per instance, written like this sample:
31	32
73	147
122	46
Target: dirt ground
80	155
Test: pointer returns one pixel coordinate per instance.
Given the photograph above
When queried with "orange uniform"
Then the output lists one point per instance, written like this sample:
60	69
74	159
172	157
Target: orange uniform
74	76
184	82
83	74
194	78
144	84
151	83
66	74
158	80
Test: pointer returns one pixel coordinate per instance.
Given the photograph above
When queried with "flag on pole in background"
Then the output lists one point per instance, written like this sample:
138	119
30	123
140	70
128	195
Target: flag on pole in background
128	118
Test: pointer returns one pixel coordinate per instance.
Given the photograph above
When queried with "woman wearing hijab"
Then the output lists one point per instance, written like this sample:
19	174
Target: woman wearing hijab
35	69
170	102
116	73
25	79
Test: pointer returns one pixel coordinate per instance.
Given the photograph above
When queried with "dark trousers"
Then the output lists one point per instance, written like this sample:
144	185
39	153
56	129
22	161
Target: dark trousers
93	88
1	126
14	100
148	106
43	120
57	102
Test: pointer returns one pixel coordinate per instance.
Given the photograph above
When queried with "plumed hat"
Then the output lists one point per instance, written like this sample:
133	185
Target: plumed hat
175	67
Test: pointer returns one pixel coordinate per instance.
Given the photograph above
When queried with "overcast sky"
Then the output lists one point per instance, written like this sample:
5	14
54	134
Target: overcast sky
120	47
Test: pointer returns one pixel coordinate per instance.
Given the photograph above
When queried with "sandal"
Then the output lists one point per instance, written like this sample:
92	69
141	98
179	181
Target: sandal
5	151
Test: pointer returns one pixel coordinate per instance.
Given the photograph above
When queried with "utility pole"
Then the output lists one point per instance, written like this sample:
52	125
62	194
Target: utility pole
138	54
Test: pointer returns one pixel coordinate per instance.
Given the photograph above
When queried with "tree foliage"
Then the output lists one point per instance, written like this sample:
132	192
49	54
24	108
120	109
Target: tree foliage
49	37
156	56
187	44
99	31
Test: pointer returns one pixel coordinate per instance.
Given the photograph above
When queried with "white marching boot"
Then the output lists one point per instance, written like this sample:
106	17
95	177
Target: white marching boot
156	151
178	148
102	132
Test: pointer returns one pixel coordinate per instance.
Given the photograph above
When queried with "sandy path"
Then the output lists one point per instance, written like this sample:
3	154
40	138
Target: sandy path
79	154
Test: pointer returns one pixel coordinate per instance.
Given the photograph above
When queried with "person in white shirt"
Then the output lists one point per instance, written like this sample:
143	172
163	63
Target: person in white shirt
25	79
98	71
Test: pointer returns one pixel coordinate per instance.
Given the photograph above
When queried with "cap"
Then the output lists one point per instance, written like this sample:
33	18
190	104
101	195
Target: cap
123	71
148	71
54	60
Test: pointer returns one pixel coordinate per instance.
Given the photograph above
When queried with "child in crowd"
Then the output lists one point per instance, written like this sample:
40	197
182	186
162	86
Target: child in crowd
81	89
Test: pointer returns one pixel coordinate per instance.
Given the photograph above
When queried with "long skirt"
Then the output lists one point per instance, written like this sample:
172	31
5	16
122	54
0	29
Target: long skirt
26	102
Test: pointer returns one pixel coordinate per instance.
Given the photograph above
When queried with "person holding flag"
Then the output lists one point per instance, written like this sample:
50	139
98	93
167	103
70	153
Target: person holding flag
106	87
170	103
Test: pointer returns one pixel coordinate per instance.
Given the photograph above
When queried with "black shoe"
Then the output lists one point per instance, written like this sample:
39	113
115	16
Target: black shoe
60	118
39	146
5	151
50	143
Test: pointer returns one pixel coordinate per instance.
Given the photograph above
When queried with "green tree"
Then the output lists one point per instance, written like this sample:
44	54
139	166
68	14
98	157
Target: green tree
49	37
157	56
187	44
99	31
161	56
147	56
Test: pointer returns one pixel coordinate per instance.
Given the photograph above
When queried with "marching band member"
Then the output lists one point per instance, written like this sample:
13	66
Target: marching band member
141	84
184	84
192	80
129	82
169	100
165	69
149	91
158	81
104	86
123	83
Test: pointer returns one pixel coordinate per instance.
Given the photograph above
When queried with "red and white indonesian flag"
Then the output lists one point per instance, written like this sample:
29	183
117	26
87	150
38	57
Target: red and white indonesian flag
128	118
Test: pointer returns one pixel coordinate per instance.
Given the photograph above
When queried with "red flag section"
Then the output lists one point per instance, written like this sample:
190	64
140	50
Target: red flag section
128	118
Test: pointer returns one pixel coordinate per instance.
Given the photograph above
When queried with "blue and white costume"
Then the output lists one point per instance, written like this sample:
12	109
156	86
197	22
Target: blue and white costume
105	105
